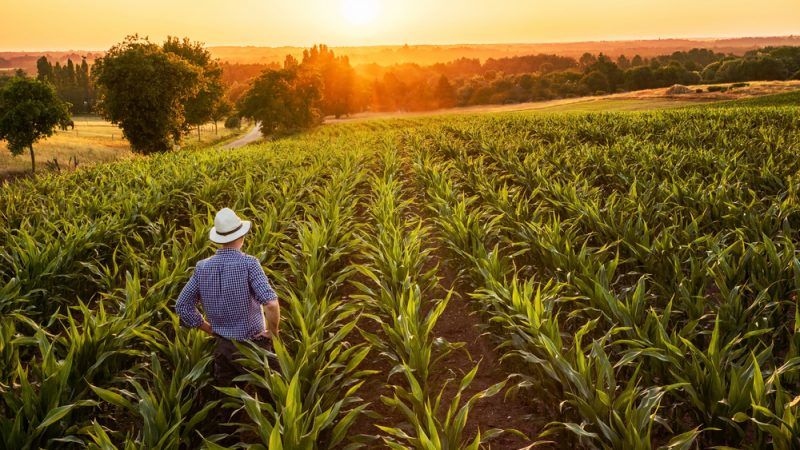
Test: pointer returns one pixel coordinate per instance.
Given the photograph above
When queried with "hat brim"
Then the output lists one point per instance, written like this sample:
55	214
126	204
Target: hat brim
224	239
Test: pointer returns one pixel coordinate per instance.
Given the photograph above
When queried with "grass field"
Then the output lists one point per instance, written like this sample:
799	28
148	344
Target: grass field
93	141
791	98
618	280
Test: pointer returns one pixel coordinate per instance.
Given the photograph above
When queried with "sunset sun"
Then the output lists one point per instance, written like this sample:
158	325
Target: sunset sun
360	12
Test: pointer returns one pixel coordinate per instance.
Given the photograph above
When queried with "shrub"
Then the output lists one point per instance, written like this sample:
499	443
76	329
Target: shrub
233	122
717	88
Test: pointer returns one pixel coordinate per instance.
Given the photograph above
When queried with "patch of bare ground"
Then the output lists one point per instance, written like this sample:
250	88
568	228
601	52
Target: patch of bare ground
460	324
365	429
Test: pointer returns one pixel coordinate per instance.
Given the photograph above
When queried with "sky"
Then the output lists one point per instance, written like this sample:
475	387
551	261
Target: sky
95	25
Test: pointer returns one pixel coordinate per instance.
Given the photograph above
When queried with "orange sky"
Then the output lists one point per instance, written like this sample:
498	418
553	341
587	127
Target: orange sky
96	25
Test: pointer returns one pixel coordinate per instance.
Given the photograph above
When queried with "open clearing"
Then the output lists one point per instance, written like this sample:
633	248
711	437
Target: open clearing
92	141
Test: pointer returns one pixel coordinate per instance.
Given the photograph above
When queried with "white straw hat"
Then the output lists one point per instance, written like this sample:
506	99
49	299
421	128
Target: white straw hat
228	227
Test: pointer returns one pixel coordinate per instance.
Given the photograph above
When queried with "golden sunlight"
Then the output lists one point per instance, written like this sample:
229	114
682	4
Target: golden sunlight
360	12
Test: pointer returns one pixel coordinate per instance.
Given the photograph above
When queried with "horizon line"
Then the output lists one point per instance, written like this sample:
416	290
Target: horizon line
451	44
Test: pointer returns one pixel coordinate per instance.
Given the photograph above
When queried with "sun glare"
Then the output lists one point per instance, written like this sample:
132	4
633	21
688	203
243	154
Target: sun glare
360	12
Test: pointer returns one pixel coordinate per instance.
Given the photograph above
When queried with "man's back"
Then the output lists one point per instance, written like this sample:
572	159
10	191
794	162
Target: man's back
231	287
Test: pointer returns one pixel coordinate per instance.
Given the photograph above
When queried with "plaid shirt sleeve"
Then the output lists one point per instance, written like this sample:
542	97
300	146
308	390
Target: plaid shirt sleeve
186	306
259	283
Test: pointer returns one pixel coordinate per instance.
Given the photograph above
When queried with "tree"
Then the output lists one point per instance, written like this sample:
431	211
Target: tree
284	101
596	82
222	109
44	70
586	60
445	93
337	79
143	89
29	111
199	108
640	77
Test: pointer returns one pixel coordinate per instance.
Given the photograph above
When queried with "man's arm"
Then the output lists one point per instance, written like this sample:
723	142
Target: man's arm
272	311
259	283
186	307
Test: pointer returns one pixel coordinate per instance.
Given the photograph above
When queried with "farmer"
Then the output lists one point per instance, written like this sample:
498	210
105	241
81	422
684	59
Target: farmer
232	288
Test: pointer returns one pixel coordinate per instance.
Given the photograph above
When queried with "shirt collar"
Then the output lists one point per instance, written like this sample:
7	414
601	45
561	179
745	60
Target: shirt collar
227	251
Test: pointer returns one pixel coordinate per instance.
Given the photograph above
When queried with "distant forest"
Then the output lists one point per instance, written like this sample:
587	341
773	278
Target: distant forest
347	89
466	82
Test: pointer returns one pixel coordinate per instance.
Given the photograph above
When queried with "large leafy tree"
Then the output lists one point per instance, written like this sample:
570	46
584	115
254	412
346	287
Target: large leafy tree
29	110
284	101
200	107
337	79
144	89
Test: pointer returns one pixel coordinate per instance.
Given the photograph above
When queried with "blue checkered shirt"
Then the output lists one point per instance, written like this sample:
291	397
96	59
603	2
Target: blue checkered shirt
232	287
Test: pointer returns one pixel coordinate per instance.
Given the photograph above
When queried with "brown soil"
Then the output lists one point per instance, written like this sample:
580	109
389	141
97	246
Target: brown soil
460	324
372	390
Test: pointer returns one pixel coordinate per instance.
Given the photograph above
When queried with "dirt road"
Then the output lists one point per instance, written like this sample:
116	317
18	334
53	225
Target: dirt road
251	136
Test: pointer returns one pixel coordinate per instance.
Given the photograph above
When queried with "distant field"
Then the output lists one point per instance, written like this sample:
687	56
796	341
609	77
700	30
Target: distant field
93	141
649	99
611	104
784	99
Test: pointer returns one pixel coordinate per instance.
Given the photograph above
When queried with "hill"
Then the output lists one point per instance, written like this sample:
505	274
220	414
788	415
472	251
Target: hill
431	54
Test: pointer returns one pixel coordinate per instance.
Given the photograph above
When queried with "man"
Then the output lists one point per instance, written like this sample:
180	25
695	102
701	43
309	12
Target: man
233	289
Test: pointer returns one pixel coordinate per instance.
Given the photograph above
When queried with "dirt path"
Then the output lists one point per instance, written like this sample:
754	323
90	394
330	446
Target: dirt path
251	136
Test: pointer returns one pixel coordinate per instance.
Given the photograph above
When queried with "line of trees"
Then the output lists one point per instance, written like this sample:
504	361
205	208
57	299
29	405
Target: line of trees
72	82
466	82
159	93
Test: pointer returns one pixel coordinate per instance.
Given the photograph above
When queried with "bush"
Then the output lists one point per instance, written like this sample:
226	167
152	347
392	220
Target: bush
698	91
717	88
233	122
739	85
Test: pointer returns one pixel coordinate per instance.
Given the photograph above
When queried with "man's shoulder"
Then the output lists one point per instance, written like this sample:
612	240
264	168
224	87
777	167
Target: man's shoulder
251	259
204	262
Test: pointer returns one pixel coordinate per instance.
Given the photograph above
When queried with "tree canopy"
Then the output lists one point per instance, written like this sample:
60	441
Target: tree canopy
145	89
29	111
200	107
283	100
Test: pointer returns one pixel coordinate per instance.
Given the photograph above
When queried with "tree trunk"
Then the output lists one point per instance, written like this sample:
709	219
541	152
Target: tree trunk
215	129
198	133
33	160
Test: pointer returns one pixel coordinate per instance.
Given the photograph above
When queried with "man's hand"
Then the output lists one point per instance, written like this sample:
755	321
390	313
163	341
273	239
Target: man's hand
206	327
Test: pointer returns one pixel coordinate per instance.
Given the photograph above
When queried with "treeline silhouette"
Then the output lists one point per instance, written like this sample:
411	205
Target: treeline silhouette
467	82
333	87
72	82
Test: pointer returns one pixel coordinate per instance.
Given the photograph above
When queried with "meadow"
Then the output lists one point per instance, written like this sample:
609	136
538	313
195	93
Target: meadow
92	141
619	280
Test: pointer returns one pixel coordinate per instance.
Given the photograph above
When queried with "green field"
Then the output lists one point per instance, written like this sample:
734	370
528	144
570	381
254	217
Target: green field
617	280
791	98
621	104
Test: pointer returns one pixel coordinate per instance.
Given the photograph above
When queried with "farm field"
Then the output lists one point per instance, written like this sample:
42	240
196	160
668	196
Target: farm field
93	141
618	280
